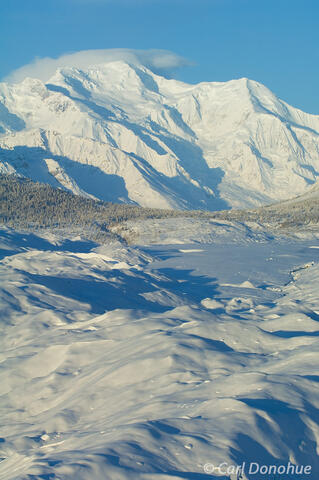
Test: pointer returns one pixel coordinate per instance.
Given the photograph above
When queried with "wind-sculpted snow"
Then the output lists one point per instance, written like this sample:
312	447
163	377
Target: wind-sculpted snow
119	132
159	362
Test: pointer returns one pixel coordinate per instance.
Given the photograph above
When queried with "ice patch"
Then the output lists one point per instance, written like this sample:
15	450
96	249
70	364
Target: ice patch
190	250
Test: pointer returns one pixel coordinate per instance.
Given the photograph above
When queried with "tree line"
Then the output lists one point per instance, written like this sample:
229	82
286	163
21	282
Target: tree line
26	204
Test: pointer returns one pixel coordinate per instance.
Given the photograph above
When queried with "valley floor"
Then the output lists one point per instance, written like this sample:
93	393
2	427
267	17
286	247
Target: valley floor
158	362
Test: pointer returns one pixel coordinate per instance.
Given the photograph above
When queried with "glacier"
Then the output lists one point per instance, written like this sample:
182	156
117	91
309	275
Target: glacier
158	361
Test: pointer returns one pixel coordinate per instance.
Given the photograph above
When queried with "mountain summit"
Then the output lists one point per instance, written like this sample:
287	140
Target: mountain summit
119	132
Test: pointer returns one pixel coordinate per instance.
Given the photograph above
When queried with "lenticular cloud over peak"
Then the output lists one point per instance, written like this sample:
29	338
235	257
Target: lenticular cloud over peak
162	62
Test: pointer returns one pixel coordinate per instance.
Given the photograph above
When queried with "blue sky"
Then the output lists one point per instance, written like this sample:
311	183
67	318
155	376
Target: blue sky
273	42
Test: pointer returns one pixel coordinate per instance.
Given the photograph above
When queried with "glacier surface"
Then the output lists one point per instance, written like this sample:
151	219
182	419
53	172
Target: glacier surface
157	362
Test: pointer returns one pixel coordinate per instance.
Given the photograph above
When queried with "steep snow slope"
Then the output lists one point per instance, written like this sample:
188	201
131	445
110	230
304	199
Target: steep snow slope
120	132
158	363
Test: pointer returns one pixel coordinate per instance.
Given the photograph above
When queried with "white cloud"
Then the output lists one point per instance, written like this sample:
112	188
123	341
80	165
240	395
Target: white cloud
163	62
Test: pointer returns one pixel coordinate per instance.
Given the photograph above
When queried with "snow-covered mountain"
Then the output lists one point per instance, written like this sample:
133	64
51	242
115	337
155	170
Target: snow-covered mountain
119	132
